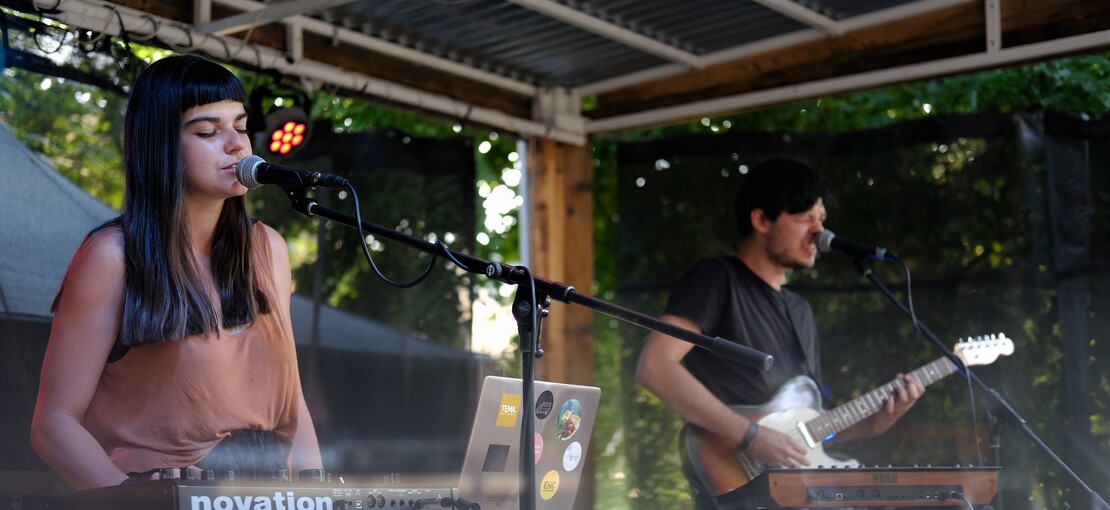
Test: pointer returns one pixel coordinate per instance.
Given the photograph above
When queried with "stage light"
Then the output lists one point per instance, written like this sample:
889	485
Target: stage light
281	130
288	130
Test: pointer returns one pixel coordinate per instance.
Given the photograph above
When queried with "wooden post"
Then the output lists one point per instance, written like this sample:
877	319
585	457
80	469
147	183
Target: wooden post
560	184
561	191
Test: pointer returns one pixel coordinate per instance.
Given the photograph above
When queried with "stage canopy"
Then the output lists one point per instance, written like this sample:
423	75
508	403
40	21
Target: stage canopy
569	69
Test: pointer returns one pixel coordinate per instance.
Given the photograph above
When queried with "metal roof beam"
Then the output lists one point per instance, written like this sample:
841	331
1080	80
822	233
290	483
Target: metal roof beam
801	14
360	40
731	104
92	15
611	31
267	14
202	11
775	43
994	25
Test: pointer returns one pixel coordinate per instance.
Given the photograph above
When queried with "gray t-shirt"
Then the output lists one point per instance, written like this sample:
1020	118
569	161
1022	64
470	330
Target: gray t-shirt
726	299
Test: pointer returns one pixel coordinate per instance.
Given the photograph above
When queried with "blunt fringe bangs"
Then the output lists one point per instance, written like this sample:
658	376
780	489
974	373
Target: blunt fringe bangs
207	82
778	186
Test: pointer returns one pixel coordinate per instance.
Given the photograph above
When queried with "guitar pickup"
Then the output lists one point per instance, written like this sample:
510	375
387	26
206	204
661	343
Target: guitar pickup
806	435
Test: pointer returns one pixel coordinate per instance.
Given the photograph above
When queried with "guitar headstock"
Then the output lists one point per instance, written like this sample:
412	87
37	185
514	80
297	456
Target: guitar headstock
983	350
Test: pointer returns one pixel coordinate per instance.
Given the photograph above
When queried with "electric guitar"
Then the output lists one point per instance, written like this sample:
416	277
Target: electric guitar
795	411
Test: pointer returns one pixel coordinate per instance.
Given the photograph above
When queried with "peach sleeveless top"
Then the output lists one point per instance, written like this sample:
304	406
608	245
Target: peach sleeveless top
167	404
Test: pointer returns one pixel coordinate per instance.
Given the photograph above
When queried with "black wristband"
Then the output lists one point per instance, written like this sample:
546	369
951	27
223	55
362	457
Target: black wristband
749	436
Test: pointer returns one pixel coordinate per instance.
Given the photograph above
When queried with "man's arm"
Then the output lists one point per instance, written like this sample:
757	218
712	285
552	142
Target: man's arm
661	371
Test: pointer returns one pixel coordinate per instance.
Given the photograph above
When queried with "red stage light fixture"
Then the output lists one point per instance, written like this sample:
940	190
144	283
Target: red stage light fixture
288	130
285	128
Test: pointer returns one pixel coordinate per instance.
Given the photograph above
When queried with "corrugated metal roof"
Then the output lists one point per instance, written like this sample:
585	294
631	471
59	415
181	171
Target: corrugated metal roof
645	62
526	44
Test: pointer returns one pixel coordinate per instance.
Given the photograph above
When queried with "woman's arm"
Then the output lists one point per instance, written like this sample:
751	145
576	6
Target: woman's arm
86	322
306	447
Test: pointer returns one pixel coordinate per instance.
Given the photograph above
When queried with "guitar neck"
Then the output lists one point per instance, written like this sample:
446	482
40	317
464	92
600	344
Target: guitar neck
829	424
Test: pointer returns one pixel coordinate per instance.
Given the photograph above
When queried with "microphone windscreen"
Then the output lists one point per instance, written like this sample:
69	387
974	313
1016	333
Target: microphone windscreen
247	170
823	239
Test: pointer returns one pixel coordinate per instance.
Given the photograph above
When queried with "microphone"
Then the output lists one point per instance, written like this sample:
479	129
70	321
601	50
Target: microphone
253	171
827	242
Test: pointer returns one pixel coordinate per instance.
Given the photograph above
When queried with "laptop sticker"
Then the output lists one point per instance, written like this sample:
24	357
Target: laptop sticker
544	404
550	485
570	416
506	414
572	456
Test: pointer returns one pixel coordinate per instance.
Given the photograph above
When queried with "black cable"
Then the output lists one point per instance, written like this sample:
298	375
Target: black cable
450	256
370	259
962	497
909	296
970	390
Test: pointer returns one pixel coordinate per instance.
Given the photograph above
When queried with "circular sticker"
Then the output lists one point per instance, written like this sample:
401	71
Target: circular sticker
544	404
572	456
570	416
539	447
550	485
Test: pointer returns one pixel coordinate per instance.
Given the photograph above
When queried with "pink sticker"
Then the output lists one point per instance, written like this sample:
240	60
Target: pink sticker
539	447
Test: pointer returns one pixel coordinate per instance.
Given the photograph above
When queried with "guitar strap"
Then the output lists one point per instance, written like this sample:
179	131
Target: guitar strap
798	338
780	300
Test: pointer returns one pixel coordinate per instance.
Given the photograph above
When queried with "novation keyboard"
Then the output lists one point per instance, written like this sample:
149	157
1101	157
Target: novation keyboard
865	487
178	494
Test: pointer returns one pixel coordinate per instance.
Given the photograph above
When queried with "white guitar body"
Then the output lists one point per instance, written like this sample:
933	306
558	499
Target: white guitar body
794	404
790	422
795	410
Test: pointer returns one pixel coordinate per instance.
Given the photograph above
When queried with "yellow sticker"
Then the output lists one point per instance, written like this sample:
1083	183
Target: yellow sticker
510	406
550	485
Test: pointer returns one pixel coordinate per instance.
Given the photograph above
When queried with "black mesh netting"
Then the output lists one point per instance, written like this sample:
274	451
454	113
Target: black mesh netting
1003	222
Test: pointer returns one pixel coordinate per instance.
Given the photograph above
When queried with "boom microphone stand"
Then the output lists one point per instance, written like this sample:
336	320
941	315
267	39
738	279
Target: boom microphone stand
860	262
529	307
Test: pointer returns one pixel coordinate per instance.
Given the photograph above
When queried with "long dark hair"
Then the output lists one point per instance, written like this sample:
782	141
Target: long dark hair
165	298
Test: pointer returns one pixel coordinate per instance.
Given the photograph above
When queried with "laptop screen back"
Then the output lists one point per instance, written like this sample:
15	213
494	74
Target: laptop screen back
564	416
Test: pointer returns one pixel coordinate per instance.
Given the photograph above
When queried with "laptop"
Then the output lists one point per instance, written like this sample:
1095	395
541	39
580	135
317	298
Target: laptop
564	417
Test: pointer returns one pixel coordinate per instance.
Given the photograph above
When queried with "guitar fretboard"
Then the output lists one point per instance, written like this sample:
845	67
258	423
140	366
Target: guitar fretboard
863	406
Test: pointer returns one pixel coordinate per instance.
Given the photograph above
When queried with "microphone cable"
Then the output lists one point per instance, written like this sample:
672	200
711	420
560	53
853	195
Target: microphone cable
370	259
967	369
